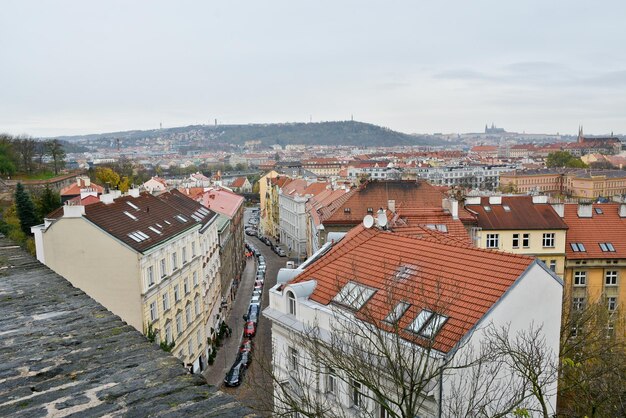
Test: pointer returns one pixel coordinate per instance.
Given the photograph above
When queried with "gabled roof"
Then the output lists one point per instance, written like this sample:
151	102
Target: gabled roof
88	200
605	227
469	279
376	194
222	201
522	213
146	221
238	182
74	188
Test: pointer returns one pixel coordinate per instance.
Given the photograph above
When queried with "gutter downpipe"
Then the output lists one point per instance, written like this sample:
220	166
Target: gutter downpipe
440	392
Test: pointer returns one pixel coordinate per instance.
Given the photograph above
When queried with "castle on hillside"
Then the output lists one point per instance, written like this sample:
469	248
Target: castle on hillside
493	129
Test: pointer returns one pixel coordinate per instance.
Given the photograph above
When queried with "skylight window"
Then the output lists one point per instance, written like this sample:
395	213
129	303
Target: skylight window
487	208
577	247
160	226
138	236
153	229
181	219
203	211
405	271
606	246
506	208
168	222
599	211
427	324
397	312
132	205
354	295
130	215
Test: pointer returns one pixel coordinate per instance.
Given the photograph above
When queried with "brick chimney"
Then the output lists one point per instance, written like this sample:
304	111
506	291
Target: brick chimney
585	210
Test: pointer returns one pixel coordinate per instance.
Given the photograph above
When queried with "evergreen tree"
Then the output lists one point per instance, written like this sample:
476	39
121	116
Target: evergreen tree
47	202
25	209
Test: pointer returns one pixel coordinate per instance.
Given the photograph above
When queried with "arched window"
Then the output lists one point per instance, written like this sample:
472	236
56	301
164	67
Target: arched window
291	303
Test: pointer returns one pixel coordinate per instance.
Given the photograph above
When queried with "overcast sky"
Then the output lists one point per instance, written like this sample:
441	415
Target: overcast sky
72	67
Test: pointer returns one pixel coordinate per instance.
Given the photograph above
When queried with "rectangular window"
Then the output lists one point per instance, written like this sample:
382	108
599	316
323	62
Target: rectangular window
578	304
610	278
358	400
331	381
199	338
166	301
493	240
293	358
186	285
150	275
193	249
176	293
612	303
190	347
179	323
548	240
515	240
580	278
163	271
188	316
196	304
168	333
184	255
195	278
553	265
153	311
174	261
526	240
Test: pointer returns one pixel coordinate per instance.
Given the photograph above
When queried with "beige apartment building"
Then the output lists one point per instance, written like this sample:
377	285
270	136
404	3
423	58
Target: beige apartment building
154	261
526	225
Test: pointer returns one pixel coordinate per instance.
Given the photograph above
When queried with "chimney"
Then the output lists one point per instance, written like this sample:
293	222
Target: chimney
472	200
495	200
559	208
133	192
107	198
73	211
584	210
540	199
87	182
391	204
454	209
622	210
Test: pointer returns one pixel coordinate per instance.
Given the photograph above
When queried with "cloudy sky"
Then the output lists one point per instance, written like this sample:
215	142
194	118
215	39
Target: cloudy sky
72	67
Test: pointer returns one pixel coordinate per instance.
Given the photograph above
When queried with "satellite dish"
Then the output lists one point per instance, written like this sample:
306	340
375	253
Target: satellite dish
382	219
368	221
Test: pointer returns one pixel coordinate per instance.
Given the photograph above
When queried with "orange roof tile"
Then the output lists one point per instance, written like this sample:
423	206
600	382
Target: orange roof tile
599	228
238	182
469	279
74	188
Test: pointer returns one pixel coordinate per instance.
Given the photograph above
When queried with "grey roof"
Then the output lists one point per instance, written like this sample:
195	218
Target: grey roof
62	353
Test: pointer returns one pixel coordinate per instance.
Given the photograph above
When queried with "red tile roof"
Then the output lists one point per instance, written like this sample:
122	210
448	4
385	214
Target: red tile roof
600	228
74	188
376	194
469	279
88	200
523	214
222	201
238	182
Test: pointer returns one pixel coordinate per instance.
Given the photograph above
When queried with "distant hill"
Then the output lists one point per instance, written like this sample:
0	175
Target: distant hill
323	133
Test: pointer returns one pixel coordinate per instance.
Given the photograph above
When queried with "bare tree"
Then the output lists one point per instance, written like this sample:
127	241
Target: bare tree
55	149
387	370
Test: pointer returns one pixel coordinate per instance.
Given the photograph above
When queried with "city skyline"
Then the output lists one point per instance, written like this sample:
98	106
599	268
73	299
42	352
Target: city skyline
78	68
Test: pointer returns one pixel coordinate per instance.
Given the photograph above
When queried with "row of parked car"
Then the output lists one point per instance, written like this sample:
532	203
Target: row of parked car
235	375
253	223
276	248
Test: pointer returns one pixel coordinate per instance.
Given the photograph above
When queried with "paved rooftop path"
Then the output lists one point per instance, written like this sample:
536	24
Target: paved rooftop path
62	354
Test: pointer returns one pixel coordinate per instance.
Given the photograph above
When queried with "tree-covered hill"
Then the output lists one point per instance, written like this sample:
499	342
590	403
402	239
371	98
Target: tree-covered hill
322	133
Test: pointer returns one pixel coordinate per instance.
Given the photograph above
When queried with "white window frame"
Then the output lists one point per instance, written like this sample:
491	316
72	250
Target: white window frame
580	278
150	276
196	303
292	359
578	303
184	255
515	241
179	323
526	240
357	397
188	314
174	262
611	303
186	288
493	241
154	311
166	301
177	293
163	268
548	240
553	265
291	303
195	278
331	381
610	278
190	346
168	333
193	249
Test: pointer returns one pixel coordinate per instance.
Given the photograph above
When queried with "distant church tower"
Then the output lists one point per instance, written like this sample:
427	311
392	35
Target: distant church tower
581	139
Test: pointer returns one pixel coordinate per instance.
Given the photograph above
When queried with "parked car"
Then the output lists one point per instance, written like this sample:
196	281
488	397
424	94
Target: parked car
281	252
234	377
258	285
246	345
249	330
256	300
253	313
244	358
251	231
257	292
261	259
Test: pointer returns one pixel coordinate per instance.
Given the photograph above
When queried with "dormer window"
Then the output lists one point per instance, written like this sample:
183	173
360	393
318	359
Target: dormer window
370	210
346	210
291	303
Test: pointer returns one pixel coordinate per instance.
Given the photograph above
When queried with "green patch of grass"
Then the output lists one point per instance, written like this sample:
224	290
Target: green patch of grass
44	175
